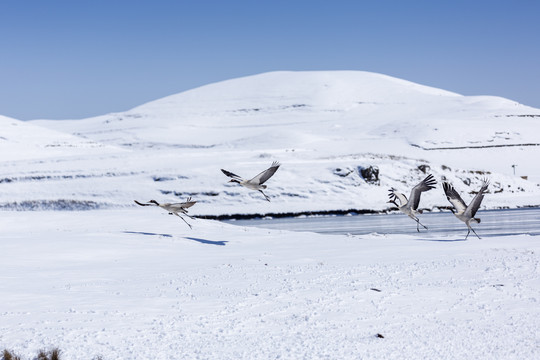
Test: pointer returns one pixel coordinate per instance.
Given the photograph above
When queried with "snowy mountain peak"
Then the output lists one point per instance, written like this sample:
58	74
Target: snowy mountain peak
290	89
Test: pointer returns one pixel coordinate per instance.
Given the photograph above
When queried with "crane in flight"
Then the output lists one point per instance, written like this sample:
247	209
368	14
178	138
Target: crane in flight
410	206
463	211
256	183
173	208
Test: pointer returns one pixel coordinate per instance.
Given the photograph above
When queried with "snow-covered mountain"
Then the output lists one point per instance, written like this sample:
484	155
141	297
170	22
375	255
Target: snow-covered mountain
324	127
24	141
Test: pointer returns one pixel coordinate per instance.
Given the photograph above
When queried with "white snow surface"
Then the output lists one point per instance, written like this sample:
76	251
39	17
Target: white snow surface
124	282
139	284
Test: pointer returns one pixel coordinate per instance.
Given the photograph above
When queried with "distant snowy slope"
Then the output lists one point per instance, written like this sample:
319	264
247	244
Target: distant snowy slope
23	140
319	125
318	103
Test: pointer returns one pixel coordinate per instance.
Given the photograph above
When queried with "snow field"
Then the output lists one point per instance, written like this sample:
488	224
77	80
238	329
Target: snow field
137	283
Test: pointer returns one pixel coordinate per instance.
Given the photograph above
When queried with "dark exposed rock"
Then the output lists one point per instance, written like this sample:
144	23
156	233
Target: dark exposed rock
343	172
424	168
370	174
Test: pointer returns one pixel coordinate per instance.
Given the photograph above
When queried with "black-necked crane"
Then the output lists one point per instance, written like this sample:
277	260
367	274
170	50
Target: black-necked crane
173	208
410	206
257	182
463	211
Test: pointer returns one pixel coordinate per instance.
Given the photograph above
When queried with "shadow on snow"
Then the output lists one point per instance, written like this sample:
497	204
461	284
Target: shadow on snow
208	242
440	240
147	233
202	241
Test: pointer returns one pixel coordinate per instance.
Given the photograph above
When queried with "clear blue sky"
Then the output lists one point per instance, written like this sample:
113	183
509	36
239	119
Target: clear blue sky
75	59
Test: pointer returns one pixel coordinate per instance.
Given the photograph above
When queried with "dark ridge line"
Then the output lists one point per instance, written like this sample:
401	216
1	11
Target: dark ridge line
291	214
85	205
517	115
63	177
474	146
53	205
391	210
165	145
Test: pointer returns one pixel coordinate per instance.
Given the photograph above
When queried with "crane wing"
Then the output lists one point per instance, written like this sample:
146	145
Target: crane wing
231	175
425	185
475	203
393	195
454	198
188	203
266	174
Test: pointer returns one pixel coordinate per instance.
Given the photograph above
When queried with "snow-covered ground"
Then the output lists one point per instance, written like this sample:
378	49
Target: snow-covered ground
139	284
126	282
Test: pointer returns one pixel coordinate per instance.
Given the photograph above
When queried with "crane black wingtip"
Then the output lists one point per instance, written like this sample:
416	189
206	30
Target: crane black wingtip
229	174
430	181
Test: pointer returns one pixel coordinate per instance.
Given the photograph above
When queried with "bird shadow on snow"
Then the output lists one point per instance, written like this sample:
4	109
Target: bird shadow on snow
202	241
440	240
207	242
147	233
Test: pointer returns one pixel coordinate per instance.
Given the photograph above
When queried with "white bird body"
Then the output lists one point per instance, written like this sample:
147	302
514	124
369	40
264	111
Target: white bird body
257	182
173	208
251	185
410	207
463	211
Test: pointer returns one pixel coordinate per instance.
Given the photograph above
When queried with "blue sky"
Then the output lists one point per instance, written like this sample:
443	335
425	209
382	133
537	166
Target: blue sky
76	59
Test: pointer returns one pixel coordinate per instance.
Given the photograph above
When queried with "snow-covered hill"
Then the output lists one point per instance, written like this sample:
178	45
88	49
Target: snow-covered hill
24	141
324	127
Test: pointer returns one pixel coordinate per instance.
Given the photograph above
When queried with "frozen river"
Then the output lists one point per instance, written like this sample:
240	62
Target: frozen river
494	223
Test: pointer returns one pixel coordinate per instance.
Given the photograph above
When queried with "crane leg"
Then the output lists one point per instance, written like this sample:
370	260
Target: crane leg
184	220
189	216
468	232
475	233
266	197
419	223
